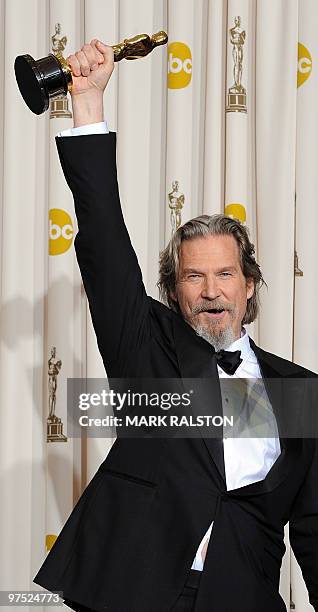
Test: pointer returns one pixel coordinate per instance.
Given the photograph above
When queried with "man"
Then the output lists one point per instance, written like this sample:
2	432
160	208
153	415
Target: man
188	523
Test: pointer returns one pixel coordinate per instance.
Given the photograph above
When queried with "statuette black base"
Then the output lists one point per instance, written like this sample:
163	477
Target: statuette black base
40	80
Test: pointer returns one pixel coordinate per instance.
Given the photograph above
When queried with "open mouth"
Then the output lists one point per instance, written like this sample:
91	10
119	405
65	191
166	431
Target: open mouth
215	313
215	310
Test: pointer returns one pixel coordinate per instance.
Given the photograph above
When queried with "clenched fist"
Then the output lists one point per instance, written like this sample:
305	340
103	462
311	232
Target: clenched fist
91	67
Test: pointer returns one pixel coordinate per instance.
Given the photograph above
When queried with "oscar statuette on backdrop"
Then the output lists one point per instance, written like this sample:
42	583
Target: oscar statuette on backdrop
59	104
54	423
236	97
176	202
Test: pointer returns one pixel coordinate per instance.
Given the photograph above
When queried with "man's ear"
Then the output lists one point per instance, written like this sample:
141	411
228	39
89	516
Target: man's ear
250	287
173	296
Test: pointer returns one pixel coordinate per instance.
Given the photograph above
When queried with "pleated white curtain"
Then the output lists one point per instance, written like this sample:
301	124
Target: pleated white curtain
306	214
24	261
187	145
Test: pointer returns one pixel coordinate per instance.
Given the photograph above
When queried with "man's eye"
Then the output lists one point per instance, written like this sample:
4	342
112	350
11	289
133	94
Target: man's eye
193	276
225	274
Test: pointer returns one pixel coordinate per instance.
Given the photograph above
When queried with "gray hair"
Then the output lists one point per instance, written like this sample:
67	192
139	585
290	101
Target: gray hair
214	225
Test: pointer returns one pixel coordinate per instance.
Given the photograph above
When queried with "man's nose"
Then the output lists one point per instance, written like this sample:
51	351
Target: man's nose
210	288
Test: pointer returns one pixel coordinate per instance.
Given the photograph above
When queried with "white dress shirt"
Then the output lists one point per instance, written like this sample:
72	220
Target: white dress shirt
246	460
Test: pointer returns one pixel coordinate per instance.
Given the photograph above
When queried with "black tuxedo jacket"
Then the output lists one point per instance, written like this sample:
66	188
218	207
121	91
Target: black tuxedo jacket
129	543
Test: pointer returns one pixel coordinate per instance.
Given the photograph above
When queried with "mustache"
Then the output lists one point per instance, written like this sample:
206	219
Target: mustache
218	304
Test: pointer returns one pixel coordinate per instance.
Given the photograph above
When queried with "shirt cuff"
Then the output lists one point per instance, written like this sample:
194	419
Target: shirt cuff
84	130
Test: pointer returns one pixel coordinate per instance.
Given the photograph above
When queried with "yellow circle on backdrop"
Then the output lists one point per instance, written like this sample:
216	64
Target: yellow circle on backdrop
50	540
179	65
60	231
304	64
236	211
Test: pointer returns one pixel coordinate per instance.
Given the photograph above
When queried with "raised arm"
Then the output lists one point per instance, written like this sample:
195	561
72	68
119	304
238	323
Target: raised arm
109	267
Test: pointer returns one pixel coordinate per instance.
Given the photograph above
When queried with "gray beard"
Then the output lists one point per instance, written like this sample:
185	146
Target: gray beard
220	340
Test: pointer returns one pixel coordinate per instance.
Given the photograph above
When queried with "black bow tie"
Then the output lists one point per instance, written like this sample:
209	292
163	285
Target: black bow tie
229	361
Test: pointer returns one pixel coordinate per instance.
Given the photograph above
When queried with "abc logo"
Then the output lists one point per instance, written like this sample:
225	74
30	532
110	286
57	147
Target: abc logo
179	65
304	64
60	231
236	211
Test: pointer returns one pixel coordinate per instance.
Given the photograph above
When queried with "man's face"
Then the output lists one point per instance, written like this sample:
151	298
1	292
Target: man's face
210	278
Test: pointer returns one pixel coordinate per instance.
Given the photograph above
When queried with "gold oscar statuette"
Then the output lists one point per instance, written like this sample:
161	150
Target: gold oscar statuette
176	202
236	97
59	105
54	423
51	76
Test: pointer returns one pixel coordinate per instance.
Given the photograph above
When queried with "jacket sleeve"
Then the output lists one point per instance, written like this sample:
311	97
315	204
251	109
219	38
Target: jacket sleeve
109	267
303	529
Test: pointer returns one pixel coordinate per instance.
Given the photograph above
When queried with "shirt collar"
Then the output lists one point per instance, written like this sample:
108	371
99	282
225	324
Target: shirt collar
241	344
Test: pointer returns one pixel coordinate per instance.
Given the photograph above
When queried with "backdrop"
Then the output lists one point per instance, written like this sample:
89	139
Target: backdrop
222	119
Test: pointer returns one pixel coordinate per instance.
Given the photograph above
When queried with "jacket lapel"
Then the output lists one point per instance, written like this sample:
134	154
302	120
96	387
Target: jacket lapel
195	359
